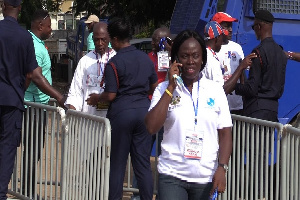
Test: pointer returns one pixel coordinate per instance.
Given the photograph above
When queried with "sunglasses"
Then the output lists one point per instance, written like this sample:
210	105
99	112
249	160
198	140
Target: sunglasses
46	17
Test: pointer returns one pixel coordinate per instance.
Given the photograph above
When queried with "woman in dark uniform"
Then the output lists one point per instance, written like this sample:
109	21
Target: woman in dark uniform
129	78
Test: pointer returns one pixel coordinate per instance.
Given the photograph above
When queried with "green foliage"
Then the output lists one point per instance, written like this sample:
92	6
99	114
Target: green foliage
30	6
139	12
89	6
146	31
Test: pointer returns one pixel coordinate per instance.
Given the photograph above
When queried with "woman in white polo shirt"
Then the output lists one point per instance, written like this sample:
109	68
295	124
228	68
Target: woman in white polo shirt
197	140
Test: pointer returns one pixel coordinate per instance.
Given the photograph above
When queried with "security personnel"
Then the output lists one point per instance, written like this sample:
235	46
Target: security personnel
129	78
265	83
17	63
266	79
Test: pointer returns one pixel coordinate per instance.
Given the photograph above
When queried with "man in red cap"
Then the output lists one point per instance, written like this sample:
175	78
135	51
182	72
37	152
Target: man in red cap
230	56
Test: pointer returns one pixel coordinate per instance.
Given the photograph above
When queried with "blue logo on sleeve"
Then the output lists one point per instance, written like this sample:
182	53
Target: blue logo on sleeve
211	102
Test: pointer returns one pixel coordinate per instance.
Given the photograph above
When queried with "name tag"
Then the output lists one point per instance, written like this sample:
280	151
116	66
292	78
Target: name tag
193	144
163	61
93	80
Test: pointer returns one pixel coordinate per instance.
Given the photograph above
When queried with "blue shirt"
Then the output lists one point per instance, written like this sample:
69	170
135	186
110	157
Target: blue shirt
33	93
17	58
136	73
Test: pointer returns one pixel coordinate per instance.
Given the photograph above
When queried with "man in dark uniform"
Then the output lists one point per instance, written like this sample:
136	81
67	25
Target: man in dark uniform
266	79
264	85
18	66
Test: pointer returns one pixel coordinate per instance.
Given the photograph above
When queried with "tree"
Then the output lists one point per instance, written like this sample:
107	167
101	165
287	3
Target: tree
30	6
140	12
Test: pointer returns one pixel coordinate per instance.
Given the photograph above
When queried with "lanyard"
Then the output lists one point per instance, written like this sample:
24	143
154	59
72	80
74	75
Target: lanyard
196	106
216	57
214	54
100	65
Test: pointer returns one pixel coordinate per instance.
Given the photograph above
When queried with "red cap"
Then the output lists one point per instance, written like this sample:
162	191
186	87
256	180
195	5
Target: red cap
223	17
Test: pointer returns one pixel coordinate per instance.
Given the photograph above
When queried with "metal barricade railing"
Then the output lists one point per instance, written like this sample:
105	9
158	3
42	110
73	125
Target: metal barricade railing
69	158
254	164
38	160
61	156
86	157
290	163
253	170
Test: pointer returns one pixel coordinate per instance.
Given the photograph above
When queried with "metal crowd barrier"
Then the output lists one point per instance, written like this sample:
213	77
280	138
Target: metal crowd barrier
38	160
87	157
290	163
61	156
68	158
256	164
254	167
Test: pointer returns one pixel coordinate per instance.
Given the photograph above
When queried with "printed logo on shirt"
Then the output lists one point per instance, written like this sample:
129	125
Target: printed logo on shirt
210	102
229	54
233	56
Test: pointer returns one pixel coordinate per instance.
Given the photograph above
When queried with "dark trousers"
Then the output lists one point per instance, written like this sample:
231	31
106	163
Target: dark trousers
269	116
158	152
129	135
10	137
34	137
171	188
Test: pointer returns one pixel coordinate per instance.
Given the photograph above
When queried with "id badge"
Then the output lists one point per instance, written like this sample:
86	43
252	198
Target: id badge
163	61
93	80
193	144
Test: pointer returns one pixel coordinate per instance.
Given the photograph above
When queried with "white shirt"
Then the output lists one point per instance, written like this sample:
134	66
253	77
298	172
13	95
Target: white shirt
213	68
230	56
213	113
86	81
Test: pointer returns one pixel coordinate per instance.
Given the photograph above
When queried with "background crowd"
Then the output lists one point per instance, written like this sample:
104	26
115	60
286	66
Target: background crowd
188	103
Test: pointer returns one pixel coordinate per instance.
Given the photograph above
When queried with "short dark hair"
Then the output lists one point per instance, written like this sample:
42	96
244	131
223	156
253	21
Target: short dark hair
181	38
119	28
39	15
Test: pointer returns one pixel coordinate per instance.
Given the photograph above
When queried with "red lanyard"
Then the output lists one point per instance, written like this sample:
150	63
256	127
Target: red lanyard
100	65
214	54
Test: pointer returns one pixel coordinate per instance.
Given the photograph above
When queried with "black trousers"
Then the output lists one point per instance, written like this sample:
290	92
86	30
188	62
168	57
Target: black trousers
269	116
10	137
129	135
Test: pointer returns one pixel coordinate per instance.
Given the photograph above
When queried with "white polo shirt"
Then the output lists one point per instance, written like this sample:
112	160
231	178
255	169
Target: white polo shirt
213	68
230	56
213	113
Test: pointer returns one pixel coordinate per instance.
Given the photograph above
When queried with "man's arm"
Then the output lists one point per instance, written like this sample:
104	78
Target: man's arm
293	55
106	97
41	82
229	85
75	98
250	87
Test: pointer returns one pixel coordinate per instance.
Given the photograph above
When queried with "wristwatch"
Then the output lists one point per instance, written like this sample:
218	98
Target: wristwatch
224	166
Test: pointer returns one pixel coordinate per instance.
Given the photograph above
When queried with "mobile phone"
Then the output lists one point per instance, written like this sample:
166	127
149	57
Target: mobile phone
177	61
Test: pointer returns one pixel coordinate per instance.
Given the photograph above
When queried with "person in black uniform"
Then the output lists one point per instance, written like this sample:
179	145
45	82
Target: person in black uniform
129	78
265	83
18	66
266	79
